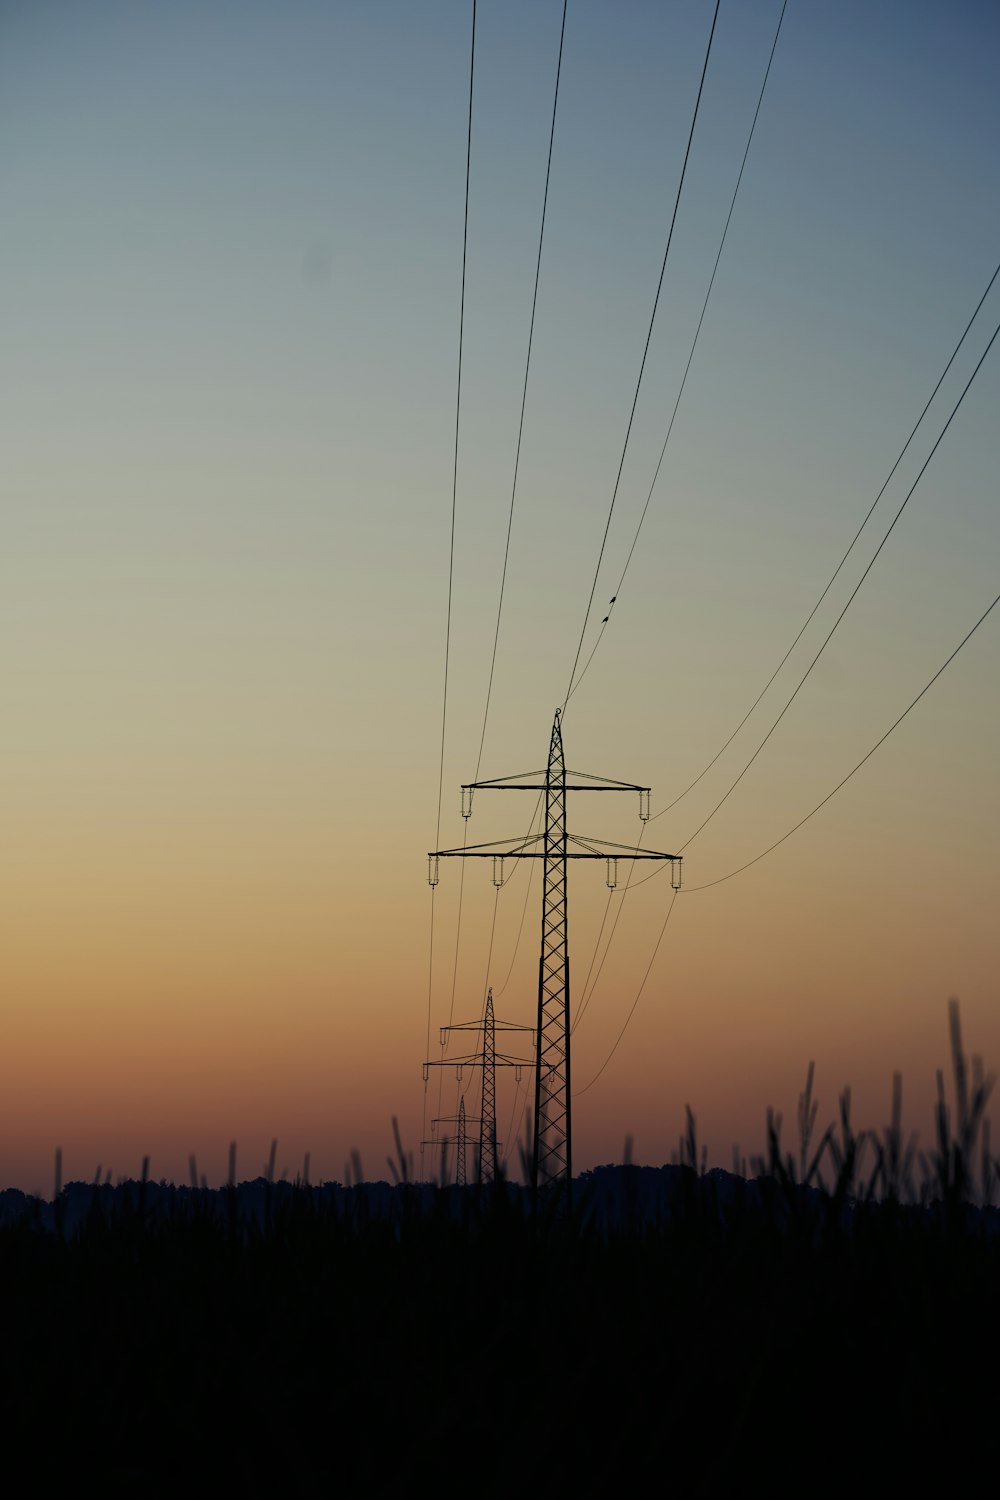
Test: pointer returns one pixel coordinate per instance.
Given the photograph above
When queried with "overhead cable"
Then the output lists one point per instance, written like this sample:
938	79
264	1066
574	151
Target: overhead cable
808	620
642	366
635	1002
524	398
881	741
687	367
734	784
707	885
451	546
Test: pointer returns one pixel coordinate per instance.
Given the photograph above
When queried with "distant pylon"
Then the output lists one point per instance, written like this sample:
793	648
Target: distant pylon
459	1140
460	1177
489	1060
488	1126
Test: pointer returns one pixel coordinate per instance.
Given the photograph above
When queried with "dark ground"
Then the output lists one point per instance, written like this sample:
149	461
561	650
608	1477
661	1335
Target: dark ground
674	1331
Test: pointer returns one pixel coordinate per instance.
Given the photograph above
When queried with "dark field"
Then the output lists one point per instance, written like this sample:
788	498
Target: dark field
828	1324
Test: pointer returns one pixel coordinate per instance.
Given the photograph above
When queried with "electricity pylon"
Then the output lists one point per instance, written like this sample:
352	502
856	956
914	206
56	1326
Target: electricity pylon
458	1140
552	1155
489	1061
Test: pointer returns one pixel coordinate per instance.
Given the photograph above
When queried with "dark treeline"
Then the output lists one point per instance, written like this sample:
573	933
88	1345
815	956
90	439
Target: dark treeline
830	1321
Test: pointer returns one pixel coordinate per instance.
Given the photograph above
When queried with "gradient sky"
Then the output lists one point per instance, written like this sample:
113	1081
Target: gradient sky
229	290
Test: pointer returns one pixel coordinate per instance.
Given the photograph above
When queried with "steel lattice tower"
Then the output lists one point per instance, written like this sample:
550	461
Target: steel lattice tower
489	1060
488	1114
552	1158
552	1155
460	1177
459	1140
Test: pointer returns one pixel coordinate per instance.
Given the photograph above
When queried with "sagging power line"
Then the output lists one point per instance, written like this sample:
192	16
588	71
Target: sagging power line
687	367
451	545
642	364
836	572
854	593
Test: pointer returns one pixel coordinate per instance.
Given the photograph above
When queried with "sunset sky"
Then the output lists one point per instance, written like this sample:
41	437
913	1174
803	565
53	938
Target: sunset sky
229	292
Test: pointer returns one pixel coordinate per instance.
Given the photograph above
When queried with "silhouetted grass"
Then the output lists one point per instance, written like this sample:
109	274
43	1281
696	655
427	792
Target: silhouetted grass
826	1321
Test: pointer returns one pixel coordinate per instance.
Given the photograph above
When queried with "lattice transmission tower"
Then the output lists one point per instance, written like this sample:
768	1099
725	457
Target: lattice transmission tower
488	1059
552	1154
459	1140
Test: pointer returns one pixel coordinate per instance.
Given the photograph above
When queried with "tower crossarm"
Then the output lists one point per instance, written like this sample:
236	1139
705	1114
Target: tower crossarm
577	781
509	848
583	849
602	849
475	1060
478	1026
534	848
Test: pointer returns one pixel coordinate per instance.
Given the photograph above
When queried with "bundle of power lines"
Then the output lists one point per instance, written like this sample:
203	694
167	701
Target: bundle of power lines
581	661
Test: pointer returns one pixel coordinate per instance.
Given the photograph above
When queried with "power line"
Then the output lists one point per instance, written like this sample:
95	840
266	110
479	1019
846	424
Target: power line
503	881
630	885
458	929
524	398
636	884
588	993
926	688
836	571
635	1002
520	930
645	352
493	931
687	367
508	1138
593	959
527	893
458	409
510	518
708	884
451	544
850	600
